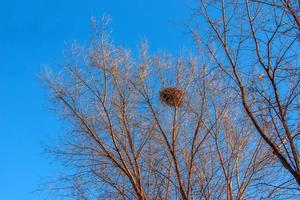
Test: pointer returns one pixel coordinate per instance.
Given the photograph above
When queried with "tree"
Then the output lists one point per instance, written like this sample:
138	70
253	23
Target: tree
255	43
127	141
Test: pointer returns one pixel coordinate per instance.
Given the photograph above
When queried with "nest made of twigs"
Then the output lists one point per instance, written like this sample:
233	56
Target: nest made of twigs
171	96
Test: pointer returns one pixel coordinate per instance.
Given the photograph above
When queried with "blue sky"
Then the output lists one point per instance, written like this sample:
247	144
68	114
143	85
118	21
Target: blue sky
33	33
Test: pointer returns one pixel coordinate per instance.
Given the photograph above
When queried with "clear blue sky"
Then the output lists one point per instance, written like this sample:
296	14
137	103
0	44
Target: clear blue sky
33	33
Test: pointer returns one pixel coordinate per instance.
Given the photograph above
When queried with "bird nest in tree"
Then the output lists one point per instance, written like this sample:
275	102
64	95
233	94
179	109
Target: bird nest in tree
171	96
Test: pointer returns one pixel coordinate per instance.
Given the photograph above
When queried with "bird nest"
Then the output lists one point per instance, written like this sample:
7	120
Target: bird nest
171	96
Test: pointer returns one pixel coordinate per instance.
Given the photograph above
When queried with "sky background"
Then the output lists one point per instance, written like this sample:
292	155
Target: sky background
33	33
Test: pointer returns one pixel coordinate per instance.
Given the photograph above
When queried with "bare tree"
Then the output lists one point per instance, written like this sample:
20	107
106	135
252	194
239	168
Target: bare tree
255	44
129	139
290	7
